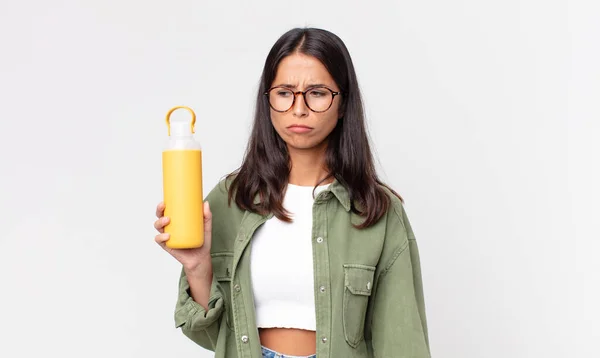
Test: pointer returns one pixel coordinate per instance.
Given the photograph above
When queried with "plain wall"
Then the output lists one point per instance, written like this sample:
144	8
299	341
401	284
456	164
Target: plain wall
482	115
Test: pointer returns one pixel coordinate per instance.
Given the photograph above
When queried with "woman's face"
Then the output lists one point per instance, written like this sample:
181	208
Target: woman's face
300	72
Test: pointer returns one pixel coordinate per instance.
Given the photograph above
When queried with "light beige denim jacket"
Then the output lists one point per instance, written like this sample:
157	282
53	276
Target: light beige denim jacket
368	288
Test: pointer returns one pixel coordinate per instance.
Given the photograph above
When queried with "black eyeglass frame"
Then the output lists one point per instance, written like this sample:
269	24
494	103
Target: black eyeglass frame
295	93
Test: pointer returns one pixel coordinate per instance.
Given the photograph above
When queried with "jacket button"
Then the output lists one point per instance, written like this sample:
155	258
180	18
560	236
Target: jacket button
319	239
237	288
322	288
324	339
369	286
245	339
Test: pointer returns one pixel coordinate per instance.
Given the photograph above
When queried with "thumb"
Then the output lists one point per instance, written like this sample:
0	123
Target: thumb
207	221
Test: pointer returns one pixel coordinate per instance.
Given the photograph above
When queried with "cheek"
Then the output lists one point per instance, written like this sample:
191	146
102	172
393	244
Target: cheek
276	120
329	121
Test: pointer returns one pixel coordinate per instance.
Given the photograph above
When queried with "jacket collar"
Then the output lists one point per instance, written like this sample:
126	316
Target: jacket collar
341	193
338	190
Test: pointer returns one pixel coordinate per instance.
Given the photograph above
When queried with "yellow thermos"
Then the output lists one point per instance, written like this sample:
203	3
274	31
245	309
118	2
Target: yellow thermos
182	184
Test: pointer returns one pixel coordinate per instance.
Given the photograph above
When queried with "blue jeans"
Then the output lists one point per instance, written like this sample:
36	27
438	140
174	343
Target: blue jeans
267	353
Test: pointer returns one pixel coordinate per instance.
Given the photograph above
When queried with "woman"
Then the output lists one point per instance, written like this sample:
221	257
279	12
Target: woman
312	255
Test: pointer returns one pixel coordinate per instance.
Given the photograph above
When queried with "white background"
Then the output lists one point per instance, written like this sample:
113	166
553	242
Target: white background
483	116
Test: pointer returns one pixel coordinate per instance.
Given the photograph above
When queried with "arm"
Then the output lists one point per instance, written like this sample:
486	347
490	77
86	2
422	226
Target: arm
198	323
201	300
200	283
399	324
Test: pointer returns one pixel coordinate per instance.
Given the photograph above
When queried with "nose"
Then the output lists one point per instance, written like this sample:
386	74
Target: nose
300	109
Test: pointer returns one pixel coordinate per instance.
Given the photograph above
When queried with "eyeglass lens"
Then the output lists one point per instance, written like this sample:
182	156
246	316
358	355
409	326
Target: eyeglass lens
317	99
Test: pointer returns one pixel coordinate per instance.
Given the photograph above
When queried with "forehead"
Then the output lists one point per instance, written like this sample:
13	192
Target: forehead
297	69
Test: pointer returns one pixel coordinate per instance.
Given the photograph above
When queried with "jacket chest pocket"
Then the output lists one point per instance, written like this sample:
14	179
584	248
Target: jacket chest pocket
358	282
222	263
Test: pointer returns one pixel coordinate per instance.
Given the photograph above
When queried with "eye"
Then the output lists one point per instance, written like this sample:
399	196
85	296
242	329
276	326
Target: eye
283	93
317	93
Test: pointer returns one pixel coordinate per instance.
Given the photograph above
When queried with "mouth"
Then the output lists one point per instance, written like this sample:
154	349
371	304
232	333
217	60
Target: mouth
299	128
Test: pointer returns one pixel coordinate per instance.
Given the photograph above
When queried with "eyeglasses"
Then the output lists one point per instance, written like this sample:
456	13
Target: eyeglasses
317	99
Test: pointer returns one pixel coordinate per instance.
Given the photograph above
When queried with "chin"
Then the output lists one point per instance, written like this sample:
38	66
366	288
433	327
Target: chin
300	146
305	145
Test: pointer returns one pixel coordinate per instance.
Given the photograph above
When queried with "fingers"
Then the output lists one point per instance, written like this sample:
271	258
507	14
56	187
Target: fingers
160	209
162	238
161	223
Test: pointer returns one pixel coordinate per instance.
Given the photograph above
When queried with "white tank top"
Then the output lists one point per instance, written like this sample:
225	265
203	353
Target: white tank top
281	265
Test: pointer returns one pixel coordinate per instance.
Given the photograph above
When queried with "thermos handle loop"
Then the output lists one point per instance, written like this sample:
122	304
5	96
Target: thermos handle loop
181	107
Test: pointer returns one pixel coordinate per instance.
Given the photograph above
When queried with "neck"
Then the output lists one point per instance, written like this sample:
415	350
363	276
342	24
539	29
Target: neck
308	166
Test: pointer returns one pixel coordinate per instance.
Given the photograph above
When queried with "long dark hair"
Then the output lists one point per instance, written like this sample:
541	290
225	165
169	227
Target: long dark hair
265	170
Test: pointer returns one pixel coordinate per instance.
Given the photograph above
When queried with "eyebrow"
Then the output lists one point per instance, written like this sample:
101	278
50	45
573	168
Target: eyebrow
287	85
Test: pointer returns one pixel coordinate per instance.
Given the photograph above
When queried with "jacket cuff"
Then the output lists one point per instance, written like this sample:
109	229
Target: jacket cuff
190	314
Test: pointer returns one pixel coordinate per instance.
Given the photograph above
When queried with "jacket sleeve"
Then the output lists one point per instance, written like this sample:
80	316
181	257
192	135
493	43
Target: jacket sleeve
399	323
198	324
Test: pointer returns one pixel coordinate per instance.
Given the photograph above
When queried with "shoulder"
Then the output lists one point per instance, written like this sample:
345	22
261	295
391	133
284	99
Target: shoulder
219	192
226	216
218	196
398	232
396	214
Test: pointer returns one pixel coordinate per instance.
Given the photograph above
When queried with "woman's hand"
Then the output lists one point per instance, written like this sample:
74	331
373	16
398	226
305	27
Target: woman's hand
196	261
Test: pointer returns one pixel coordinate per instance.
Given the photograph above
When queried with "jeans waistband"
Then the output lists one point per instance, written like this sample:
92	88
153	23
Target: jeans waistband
269	353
